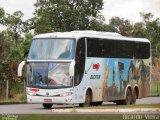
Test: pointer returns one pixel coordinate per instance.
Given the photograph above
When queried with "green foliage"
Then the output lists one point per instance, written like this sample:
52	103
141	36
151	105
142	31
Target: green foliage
65	15
10	58
2	13
13	48
151	28
122	26
26	44
155	88
14	24
138	30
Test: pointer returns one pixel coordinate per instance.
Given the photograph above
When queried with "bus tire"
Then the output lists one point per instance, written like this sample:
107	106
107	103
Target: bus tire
47	106
134	96
88	99
120	102
97	103
128	99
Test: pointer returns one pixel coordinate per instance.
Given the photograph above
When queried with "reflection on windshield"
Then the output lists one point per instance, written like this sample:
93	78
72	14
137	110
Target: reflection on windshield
48	74
52	49
59	74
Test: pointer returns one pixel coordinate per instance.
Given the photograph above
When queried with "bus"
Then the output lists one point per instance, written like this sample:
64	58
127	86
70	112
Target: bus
87	68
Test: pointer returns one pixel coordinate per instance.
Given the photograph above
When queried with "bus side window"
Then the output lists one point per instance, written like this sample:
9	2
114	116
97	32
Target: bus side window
142	50
80	61
106	48
124	49
110	51
92	47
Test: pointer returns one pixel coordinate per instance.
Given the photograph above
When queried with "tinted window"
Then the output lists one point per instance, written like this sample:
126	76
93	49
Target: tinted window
106	48
92	47
100	48
80	61
142	50
124	49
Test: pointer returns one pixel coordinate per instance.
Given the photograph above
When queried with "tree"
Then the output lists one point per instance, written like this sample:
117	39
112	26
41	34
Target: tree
2	13
139	30
14	23
152	29
121	26
98	24
26	44
65	15
10	56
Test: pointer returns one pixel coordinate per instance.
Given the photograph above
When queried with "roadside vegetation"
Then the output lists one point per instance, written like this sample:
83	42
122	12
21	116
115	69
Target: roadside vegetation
69	117
85	117
124	106
59	16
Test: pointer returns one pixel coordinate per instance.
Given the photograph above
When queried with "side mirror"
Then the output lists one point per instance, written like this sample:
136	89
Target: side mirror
71	68
20	67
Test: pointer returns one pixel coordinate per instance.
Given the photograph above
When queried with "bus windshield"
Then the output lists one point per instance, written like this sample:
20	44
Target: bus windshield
48	75
51	49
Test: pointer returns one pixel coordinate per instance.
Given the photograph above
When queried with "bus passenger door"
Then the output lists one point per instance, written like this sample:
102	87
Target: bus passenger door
95	67
80	57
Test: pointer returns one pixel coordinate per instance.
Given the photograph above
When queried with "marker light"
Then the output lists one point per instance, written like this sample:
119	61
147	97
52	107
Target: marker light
65	94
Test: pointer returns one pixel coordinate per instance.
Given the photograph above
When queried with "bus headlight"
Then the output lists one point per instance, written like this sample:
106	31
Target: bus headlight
31	93
65	94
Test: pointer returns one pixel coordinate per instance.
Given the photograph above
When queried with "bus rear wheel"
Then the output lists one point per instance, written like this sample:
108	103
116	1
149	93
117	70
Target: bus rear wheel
128	99
134	96
120	102
47	105
88	99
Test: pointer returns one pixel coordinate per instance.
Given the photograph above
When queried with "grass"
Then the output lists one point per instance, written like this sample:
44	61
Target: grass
76	117
155	88
16	98
124	106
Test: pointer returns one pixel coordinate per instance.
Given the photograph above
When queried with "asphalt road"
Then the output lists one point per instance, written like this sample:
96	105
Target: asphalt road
38	109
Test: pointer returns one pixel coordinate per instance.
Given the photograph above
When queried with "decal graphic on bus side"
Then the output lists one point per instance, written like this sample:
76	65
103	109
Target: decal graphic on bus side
96	66
95	77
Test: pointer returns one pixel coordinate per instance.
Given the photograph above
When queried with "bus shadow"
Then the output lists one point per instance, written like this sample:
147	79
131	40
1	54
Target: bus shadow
109	104
77	106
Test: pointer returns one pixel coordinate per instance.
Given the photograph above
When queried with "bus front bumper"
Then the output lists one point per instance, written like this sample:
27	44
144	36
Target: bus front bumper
53	100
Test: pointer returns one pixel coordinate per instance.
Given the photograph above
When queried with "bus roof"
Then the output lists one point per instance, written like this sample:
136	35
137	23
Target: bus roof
91	34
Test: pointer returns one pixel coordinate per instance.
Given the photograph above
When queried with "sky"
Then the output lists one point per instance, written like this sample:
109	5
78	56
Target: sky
127	9
130	9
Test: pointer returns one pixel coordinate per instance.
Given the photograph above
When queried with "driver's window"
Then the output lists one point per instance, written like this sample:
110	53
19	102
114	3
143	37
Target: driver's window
80	61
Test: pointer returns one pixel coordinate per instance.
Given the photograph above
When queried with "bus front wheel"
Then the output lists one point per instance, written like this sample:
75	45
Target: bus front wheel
88	99
47	106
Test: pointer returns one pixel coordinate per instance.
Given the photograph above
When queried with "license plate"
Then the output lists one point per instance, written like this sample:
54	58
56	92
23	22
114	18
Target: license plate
48	100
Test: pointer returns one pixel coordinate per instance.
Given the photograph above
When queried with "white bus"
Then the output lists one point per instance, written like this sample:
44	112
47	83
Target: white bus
87	68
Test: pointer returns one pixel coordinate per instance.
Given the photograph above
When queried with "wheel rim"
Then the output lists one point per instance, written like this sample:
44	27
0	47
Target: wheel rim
134	97
88	98
128	97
